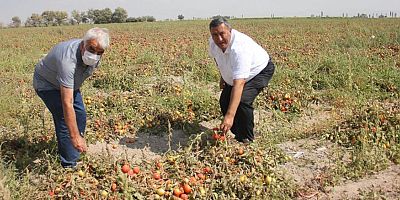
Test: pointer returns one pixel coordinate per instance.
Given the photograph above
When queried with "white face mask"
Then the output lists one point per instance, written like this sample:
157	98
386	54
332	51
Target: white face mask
90	58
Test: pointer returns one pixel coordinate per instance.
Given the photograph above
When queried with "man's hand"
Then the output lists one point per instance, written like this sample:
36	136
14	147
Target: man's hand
70	119
226	124
79	143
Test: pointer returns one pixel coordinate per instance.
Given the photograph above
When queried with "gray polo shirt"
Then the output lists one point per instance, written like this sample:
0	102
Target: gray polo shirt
63	65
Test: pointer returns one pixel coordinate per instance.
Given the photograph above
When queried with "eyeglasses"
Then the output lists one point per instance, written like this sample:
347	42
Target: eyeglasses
93	50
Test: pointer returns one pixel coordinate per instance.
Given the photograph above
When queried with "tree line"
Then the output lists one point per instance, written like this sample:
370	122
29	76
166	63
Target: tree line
93	16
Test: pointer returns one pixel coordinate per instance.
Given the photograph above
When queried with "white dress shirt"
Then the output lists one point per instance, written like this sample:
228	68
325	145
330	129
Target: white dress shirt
243	59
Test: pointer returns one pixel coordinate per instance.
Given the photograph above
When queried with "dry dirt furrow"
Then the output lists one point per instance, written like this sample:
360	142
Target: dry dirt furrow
141	147
381	185
313	157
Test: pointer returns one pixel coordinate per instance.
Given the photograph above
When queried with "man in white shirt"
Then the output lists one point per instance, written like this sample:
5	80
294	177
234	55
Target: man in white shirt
245	68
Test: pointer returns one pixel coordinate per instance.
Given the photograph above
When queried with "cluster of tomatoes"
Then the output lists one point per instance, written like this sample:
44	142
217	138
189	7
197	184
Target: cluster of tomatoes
164	186
218	135
196	172
286	102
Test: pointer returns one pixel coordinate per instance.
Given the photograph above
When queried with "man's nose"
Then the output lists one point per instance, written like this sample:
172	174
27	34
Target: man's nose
220	38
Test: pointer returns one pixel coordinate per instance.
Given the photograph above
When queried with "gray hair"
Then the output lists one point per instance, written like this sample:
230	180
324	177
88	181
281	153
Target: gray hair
100	35
218	21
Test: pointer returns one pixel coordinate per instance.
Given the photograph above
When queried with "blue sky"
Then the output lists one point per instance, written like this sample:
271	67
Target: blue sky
170	9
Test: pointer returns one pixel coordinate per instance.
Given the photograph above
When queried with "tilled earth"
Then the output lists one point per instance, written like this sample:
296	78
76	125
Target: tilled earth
311	157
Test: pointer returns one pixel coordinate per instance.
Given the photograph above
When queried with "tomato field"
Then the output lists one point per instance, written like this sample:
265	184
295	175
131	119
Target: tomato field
336	82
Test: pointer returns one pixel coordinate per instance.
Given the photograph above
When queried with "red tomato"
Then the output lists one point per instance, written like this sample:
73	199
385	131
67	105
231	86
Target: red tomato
156	176
184	196
216	136
207	170
201	176
240	151
187	189
158	165
177	192
125	168
113	187
136	170
193	180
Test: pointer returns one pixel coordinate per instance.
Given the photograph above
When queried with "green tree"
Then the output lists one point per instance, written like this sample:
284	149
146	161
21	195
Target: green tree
48	17
131	19
226	17
28	22
100	16
106	14
91	14
119	16
146	19
35	20
181	17
16	21
150	19
77	16
85	17
60	17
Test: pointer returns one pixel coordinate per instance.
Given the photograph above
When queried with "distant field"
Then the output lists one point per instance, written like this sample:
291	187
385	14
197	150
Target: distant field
157	77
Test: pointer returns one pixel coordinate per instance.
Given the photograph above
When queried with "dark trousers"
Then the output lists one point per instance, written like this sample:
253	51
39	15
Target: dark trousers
52	98
243	124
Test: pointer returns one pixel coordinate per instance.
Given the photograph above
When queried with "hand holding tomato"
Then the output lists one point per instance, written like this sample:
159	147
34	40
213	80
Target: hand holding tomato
226	124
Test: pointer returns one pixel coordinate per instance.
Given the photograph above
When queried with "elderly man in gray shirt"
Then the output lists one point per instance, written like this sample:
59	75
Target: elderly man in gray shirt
57	80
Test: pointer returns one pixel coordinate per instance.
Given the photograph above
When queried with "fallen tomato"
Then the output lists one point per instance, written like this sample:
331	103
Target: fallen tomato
177	192
184	196
201	176
243	178
216	136
104	193
136	170
159	165
207	170
113	187
131	172
160	191
187	189
241	151
156	176
125	168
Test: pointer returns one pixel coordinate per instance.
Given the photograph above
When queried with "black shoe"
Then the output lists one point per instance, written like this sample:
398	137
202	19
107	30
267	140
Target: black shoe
245	141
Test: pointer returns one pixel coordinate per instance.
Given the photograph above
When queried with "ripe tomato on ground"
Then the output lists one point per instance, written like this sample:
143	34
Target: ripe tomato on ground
125	168
156	176
187	189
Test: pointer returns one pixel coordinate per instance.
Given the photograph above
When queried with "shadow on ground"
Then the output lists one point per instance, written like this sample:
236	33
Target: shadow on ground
25	152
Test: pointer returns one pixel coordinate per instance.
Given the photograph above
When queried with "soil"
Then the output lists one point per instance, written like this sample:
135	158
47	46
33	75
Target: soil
143	146
311	158
382	185
308	169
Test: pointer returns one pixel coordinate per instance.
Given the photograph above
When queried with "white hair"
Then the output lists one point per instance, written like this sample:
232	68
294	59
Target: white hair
100	35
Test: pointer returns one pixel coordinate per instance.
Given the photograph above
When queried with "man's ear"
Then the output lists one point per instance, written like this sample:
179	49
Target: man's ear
82	47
